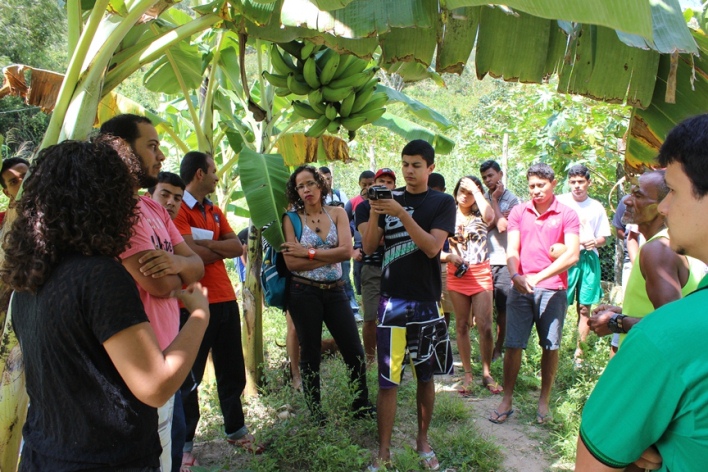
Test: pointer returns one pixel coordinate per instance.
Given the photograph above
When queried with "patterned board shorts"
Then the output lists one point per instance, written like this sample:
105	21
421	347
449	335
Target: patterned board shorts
414	329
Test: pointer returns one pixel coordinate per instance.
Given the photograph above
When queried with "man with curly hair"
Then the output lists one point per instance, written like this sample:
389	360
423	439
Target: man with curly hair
158	258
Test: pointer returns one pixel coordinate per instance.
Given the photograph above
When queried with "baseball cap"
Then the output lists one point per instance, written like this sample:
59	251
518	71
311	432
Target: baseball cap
385	171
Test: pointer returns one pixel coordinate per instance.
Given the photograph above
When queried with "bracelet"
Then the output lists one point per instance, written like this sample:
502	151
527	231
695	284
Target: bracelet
512	277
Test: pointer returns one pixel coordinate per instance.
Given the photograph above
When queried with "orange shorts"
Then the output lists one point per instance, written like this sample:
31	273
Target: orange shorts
477	279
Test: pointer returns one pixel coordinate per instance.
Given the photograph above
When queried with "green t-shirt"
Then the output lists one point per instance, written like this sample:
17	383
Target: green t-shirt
655	391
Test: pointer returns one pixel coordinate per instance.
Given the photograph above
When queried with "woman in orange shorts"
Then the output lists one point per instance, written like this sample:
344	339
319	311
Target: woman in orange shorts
469	278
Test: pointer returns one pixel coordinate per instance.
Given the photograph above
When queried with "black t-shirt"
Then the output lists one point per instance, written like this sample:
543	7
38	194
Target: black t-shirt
82	416
407	272
361	215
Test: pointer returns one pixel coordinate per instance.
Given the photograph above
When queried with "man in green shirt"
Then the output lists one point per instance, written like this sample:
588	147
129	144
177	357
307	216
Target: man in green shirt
653	396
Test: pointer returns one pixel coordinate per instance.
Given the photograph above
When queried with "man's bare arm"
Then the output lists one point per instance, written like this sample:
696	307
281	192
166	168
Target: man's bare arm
660	265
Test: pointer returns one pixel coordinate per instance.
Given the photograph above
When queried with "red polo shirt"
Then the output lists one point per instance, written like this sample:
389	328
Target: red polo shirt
538	233
193	214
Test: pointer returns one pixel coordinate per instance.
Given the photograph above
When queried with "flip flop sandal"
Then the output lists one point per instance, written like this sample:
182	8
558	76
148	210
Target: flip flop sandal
501	417
494	388
248	444
543	419
429	459
188	461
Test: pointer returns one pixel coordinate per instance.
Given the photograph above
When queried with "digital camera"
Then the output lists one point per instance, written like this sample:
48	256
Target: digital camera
379	192
461	270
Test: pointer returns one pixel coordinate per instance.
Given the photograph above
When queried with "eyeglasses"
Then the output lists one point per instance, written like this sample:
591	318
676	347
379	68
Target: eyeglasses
309	184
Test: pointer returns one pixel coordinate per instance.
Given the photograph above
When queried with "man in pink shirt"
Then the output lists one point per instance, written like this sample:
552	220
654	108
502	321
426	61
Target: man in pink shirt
157	257
538	295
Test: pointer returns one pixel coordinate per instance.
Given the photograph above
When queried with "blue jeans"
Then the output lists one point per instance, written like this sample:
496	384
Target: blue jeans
311	306
179	430
223	338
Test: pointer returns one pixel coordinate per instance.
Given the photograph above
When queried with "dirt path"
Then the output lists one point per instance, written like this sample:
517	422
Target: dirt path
520	441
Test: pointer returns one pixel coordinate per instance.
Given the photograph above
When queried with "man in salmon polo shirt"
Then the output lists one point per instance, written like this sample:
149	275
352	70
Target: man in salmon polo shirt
539	283
157	257
205	229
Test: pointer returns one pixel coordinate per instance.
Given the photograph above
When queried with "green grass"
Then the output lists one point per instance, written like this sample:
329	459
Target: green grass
345	444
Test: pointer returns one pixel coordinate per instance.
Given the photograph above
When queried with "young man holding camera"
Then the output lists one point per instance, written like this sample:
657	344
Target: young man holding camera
414	225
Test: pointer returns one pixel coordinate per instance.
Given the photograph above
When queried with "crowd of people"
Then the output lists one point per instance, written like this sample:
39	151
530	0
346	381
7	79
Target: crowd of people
118	303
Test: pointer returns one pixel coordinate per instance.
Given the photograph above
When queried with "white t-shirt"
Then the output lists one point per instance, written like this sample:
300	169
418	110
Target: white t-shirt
593	217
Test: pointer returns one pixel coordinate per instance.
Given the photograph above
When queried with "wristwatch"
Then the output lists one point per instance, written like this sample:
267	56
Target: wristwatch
616	323
311	253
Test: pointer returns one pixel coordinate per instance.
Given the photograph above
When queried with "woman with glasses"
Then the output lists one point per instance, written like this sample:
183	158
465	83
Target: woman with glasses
469	279
316	293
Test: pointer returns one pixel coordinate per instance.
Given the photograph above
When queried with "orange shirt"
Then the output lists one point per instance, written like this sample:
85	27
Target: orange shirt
209	217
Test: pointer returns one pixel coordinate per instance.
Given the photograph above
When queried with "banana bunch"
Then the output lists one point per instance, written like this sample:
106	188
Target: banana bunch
340	89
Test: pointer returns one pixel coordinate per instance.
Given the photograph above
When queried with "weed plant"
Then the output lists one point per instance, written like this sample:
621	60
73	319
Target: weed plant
294	442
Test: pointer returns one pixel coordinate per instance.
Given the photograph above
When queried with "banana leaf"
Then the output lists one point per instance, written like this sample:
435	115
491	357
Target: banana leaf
456	38
606	69
415	107
263	178
298	149
164	78
409	130
648	128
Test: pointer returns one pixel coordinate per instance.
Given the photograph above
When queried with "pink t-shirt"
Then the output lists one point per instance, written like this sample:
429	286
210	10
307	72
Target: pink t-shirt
155	230
538	233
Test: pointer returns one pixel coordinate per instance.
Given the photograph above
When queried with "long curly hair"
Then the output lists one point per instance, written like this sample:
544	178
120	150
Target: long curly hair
77	199
292	193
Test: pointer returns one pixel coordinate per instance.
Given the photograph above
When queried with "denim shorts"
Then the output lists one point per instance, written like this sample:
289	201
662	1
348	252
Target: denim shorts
545	308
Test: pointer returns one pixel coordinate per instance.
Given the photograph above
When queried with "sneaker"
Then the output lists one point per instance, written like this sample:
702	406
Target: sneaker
357	317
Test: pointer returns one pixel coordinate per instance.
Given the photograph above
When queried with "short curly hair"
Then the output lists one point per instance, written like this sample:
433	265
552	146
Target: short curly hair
78	198
292	193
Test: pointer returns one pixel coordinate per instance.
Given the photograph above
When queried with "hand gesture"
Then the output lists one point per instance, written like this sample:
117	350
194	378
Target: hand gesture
195	300
387	207
498	191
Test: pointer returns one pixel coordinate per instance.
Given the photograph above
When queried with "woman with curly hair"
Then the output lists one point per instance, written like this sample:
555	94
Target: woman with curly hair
316	293
469	279
95	373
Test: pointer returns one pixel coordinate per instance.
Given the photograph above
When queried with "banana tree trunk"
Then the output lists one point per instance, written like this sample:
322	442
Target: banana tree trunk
252	329
13	395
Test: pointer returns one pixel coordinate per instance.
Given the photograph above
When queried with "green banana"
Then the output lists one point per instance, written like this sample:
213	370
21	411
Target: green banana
333	126
279	62
305	110
344	62
309	72
345	108
315	96
353	123
282	91
320	106
371	115
371	83
292	47
330	111
308	48
355	80
363	96
296	86
356	66
336	94
318	127
377	100
276	80
328	65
